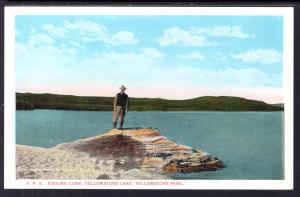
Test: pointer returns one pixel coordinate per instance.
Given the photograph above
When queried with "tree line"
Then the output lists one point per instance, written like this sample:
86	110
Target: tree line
30	101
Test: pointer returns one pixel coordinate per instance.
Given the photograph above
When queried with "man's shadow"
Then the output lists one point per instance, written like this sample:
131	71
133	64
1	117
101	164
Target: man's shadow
129	128
134	128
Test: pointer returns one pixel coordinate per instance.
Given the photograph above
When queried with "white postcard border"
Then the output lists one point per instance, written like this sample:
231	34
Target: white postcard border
10	181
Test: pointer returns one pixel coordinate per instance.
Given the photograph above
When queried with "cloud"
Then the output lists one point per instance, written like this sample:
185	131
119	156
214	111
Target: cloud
177	36
87	31
122	37
198	36
221	56
55	31
225	31
40	39
144	66
193	56
86	27
152	53
70	51
132	66
265	56
229	76
37	57
90	31
47	68
32	30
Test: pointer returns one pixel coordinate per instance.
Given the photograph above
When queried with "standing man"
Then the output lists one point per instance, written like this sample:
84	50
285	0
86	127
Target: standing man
120	107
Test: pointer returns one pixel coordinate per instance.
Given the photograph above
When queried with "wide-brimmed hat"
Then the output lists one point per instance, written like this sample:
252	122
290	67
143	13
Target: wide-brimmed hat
123	87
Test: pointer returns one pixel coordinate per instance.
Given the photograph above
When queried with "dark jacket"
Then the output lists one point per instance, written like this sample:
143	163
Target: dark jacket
121	100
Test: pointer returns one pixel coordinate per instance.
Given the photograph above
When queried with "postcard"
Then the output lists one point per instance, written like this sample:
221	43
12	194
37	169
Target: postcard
148	98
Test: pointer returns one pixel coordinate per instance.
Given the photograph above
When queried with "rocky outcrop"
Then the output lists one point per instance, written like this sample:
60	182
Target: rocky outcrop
118	154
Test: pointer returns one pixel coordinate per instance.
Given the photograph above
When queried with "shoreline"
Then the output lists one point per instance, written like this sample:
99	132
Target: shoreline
162	111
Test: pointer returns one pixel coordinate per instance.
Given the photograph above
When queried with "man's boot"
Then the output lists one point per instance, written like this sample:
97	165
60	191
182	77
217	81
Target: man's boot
114	125
121	125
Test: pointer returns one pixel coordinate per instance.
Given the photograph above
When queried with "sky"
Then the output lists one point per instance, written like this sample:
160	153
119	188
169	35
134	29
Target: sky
171	57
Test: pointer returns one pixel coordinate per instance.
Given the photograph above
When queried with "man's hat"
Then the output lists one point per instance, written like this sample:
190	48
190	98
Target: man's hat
123	87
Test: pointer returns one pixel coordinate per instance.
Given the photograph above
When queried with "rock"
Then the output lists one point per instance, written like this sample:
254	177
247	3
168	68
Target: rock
116	154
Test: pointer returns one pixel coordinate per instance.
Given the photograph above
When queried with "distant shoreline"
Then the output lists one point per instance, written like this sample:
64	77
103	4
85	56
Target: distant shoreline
157	111
31	101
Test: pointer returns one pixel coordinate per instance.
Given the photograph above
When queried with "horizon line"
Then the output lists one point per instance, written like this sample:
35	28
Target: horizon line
149	97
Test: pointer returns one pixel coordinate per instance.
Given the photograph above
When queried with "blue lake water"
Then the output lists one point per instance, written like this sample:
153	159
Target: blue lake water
249	143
